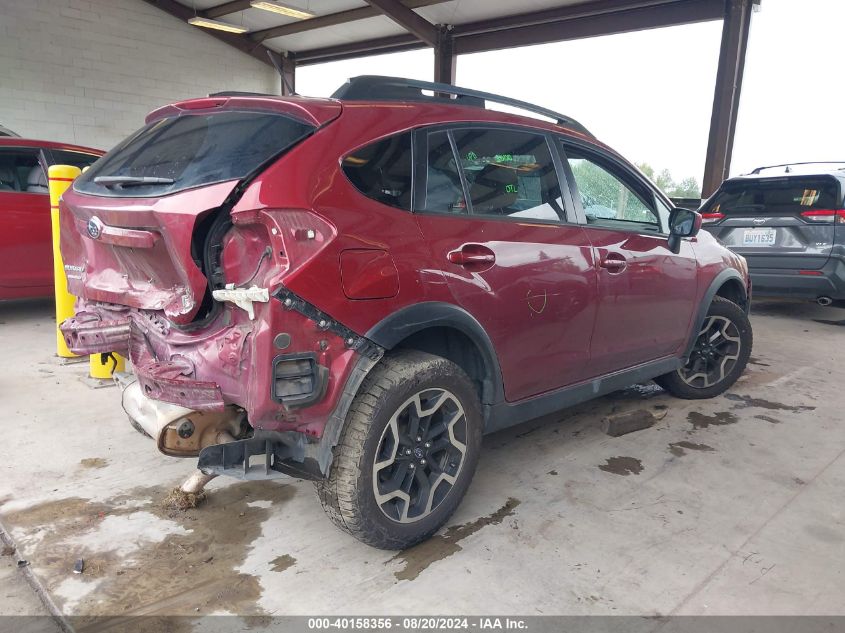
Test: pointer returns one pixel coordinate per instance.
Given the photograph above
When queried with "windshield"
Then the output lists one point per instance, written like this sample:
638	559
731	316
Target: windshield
190	150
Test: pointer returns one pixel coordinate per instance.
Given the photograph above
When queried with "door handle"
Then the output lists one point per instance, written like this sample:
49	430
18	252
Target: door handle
472	255
613	263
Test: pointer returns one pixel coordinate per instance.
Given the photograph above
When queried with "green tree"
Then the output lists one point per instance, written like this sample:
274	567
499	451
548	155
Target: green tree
687	188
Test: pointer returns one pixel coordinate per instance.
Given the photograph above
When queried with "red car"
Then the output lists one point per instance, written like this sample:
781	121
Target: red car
26	247
353	290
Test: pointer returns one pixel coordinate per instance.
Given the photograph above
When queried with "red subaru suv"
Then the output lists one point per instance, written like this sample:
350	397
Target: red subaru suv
353	290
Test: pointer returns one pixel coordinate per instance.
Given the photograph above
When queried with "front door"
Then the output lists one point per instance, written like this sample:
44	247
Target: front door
647	293
26	251
490	206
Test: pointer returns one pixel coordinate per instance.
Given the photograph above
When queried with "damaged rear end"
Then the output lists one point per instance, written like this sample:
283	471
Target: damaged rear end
175	267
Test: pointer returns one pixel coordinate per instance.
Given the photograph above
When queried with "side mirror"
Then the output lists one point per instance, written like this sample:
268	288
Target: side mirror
682	223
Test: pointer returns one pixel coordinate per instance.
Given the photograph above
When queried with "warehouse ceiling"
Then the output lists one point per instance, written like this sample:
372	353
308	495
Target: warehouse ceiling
342	29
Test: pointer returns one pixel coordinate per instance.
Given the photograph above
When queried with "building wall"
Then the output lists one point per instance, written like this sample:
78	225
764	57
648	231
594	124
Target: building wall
88	71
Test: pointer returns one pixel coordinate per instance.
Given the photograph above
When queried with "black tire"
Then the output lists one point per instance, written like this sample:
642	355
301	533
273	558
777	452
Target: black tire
678	382
349	493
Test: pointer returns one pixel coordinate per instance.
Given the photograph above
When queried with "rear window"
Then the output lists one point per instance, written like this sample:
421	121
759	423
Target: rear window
191	150
780	197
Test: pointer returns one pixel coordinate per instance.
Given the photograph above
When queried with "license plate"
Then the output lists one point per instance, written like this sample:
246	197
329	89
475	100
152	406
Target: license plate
759	237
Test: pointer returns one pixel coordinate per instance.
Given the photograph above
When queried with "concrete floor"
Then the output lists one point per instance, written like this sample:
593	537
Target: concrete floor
728	506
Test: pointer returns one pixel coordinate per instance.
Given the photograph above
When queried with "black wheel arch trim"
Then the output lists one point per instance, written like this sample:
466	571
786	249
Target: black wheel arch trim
718	281
394	329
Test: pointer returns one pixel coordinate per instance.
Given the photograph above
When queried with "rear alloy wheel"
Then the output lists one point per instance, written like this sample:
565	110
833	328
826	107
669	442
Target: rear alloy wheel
718	357
407	452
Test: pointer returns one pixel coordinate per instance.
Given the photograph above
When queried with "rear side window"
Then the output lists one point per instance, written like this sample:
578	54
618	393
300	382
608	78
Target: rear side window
382	170
509	173
178	153
775	197
77	159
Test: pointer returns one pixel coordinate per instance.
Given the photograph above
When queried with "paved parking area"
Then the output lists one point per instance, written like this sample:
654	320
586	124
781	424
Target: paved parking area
728	506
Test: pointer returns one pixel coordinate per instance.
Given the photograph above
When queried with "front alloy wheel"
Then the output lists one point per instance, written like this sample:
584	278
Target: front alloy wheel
715	354
718	357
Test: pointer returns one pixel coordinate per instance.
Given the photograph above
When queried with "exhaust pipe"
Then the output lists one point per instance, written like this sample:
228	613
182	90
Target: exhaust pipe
824	301
179	431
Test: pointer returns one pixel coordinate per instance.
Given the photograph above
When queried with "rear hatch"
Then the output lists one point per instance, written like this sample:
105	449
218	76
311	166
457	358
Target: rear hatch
133	225
776	222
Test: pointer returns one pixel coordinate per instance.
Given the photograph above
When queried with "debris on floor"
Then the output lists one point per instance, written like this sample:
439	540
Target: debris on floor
618	424
178	499
8	550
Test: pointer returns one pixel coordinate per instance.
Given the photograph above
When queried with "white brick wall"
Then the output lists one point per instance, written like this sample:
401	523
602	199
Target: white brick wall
88	71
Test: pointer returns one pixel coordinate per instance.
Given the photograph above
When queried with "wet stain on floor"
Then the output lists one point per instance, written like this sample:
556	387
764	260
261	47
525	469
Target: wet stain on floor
622	466
679	449
94	462
702	420
416	559
753	360
283	562
767	418
743	402
189	569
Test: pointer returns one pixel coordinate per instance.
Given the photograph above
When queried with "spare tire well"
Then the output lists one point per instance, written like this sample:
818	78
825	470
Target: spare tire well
454	345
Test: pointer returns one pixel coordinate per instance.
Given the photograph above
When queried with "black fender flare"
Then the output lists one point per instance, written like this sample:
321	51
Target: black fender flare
416	317
717	282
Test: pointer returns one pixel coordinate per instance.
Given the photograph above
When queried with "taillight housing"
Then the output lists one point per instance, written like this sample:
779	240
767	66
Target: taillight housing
822	216
712	218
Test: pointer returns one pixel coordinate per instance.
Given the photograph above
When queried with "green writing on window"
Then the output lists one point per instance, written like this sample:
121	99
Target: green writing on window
511	189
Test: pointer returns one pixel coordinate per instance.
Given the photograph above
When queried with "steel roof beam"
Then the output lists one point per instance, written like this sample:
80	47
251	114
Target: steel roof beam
244	45
407	19
225	9
332	19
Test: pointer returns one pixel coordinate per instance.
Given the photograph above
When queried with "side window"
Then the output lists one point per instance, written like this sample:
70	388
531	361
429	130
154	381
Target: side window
382	170
509	173
77	159
20	171
443	190
606	196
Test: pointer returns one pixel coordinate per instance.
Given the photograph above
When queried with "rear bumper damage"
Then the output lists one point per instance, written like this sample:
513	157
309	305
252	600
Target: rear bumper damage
226	393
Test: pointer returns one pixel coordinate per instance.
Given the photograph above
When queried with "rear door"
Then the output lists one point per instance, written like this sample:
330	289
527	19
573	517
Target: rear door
490	206
647	293
26	252
776	223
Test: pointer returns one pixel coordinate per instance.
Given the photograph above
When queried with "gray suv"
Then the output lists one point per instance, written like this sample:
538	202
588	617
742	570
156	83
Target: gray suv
788	221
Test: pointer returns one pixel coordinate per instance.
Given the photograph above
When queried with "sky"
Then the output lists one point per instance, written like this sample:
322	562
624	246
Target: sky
649	94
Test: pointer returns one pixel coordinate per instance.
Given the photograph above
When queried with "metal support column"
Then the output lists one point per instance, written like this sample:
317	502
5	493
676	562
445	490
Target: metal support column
288	74
726	96
444	57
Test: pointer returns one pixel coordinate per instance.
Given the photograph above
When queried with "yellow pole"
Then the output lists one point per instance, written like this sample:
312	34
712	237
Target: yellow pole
104	365
60	177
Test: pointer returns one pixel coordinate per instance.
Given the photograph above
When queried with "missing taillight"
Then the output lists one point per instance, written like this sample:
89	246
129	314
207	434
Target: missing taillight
298	379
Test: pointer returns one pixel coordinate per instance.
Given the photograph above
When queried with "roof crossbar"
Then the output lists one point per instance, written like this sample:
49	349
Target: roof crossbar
380	88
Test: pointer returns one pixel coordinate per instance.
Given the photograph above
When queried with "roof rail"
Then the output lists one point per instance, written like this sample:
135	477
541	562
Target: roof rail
379	88
809	162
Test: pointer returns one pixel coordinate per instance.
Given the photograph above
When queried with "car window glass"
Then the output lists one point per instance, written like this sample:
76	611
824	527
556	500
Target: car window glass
180	152
382	170
443	190
509	173
608	200
774	197
20	171
77	159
